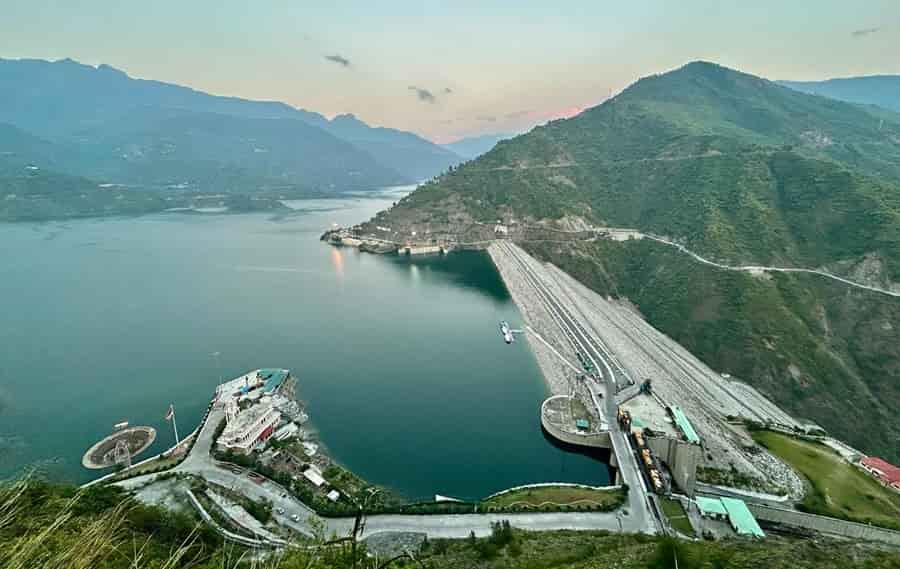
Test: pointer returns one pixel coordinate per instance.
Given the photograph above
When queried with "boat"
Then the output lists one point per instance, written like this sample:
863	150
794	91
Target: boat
506	332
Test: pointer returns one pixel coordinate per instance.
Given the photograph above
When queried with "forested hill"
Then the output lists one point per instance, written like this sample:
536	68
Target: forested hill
741	170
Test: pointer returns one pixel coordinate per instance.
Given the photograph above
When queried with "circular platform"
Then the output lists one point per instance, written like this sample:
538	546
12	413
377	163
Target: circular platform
102	454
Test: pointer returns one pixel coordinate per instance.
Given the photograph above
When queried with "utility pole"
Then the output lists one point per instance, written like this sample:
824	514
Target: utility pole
170	416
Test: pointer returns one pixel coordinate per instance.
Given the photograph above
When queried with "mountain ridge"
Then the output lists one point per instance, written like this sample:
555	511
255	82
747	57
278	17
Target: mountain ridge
881	90
474	146
62	100
743	171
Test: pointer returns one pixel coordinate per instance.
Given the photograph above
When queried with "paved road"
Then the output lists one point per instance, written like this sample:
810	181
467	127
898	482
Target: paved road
582	341
764	268
200	463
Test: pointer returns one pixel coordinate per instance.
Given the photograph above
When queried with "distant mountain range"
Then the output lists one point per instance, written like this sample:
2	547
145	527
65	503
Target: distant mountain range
474	146
741	170
99	124
881	90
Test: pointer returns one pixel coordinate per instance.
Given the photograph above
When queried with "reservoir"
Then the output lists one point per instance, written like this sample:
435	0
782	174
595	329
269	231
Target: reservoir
400	361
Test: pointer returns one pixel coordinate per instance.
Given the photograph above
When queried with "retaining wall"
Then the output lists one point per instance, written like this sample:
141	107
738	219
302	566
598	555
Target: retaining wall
825	524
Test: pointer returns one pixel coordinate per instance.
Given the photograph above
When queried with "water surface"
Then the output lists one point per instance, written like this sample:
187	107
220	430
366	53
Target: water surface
401	363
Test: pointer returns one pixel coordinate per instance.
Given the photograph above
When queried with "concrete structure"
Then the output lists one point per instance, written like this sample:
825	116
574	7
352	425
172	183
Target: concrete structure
557	424
741	518
119	447
287	431
422	250
249	429
823	524
711	508
601	388
680	457
882	470
684	425
314	475
252	385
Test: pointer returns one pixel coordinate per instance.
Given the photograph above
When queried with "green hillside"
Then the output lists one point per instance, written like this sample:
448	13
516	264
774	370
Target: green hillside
743	171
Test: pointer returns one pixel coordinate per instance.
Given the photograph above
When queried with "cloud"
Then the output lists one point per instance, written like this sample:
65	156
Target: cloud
487	118
516	114
864	32
424	95
343	61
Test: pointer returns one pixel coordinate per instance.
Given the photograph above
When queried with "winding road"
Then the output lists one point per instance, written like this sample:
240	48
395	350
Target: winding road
766	269
302	519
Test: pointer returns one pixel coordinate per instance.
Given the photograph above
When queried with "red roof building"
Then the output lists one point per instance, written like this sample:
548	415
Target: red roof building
883	470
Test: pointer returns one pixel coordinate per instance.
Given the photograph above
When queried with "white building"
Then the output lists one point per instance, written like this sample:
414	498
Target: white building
249	429
314	475
286	432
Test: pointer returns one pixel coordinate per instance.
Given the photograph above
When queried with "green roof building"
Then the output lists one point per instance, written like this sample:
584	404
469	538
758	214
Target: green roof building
741	518
711	507
681	421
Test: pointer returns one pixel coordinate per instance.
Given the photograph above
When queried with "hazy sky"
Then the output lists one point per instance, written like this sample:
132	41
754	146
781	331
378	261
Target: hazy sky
453	68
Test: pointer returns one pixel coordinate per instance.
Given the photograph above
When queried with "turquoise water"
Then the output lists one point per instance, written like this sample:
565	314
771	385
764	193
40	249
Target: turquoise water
401	363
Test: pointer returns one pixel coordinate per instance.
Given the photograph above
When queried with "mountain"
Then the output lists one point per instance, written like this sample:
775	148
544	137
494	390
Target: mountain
229	153
741	170
55	98
405	152
474	146
881	90
72	105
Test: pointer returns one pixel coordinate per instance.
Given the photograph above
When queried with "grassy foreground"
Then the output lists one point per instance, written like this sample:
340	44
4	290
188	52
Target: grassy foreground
50	526
838	489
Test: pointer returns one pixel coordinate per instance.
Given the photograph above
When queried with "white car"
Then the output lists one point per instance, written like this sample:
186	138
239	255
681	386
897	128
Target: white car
280	510
295	517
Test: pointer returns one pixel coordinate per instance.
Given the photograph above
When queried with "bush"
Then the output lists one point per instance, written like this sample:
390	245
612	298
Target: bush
261	510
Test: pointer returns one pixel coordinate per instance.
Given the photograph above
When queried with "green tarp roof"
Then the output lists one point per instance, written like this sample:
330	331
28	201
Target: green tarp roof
685	426
711	506
741	518
273	377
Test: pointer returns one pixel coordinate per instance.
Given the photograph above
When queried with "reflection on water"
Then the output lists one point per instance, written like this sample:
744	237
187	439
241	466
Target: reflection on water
337	261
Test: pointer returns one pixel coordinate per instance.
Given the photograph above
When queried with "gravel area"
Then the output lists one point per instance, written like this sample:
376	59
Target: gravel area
389	544
168	493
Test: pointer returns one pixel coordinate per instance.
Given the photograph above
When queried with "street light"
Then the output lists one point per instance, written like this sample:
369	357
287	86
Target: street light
218	367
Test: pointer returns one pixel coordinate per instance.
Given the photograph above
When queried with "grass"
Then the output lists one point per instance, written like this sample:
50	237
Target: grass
838	488
677	517
551	496
56	527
